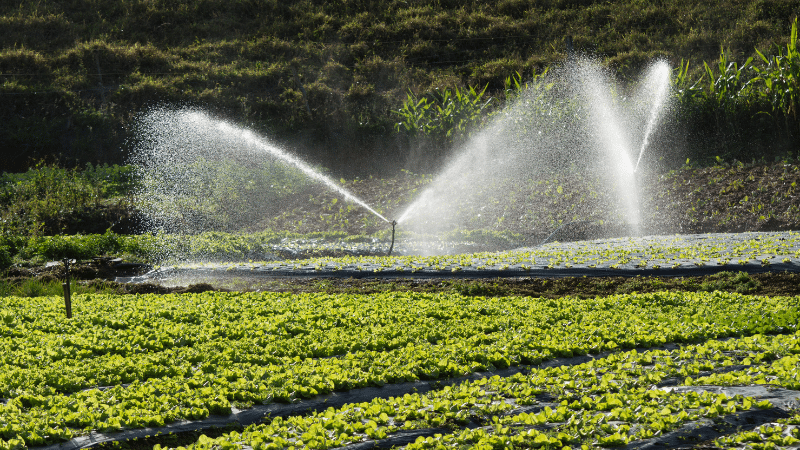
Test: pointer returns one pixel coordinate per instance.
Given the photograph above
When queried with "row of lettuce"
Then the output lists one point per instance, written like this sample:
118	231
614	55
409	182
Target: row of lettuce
606	402
265	245
136	361
288	251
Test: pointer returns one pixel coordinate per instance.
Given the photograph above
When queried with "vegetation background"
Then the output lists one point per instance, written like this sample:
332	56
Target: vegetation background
328	78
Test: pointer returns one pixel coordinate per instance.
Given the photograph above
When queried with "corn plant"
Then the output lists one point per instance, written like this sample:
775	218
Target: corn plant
444	115
685	89
729	85
779	78
514	86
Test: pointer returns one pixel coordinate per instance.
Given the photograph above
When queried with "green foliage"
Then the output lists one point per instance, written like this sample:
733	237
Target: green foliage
453	115
5	258
72	246
734	101
515	85
111	180
218	194
162	359
686	90
44	199
611	401
33	288
730	281
444	115
727	86
779	78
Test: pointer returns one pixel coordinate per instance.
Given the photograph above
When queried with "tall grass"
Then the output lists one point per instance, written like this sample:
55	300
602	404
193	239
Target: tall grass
52	288
76	72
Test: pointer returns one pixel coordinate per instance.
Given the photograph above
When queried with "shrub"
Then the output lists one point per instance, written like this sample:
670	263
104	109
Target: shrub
77	246
5	258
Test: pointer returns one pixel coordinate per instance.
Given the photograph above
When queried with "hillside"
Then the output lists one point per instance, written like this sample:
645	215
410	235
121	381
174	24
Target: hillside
323	77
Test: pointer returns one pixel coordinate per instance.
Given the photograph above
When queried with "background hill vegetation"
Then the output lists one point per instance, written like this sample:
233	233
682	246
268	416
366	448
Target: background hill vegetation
328	77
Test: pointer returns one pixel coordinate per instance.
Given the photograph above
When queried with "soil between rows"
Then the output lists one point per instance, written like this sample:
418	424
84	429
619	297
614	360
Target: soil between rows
98	275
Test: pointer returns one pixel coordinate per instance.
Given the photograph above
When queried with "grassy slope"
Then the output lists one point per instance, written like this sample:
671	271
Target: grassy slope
75	72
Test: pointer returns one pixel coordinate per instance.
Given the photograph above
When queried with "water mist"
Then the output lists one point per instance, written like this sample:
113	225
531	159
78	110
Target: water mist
200	173
572	122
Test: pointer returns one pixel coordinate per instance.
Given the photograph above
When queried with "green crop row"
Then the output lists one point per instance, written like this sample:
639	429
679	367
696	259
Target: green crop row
201	354
631	252
607	402
213	247
760	354
785	433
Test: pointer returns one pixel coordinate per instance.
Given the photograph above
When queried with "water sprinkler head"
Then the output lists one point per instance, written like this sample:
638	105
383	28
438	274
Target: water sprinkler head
391	247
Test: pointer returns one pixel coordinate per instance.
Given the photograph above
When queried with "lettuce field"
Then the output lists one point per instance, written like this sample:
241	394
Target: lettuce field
401	369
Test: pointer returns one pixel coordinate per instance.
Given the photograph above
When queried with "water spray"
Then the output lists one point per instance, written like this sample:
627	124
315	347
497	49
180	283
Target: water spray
661	75
394	223
175	143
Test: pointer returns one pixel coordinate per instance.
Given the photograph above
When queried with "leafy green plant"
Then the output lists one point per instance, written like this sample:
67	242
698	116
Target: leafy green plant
32	288
610	401
75	246
727	86
779	78
515	85
200	353
47	198
730	281
443	115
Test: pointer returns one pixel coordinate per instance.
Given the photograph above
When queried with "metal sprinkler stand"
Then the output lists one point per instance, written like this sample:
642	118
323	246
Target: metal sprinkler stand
394	223
65	285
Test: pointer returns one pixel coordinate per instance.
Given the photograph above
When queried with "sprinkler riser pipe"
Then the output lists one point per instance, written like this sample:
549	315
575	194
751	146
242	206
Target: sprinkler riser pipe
67	293
391	247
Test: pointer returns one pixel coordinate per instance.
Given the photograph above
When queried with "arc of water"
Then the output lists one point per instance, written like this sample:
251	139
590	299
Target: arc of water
181	135
251	138
610	133
662	75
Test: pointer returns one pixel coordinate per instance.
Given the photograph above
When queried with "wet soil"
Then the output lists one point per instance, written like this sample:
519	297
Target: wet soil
724	198
756	284
101	272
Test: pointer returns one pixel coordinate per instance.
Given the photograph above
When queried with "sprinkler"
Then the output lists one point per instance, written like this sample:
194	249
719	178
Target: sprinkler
65	285
394	223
